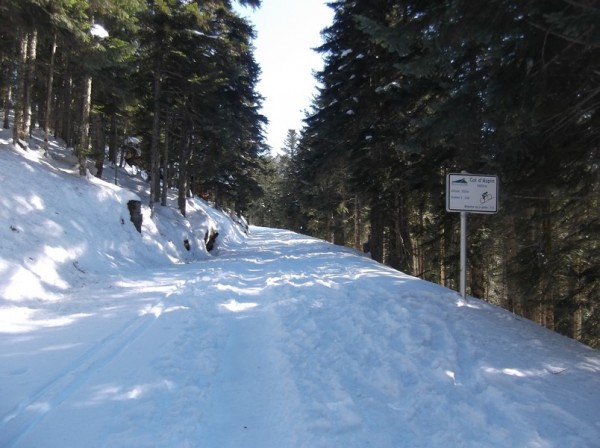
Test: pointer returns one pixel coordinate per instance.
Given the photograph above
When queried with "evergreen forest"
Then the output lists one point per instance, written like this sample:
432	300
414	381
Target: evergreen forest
414	90
179	76
410	92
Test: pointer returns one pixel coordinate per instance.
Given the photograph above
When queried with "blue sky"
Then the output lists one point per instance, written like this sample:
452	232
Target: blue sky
287	31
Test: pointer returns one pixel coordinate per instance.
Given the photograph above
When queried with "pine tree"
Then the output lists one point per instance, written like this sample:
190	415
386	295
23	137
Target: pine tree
506	88
209	93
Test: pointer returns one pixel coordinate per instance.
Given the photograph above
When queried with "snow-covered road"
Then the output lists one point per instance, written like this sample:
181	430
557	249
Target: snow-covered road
287	341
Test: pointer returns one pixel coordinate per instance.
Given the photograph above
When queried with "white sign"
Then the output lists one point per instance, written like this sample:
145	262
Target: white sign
473	193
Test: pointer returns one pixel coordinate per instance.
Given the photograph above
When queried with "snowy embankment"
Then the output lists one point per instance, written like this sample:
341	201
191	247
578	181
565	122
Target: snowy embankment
110	338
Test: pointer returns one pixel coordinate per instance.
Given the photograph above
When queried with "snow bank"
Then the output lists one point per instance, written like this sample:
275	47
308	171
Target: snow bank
59	226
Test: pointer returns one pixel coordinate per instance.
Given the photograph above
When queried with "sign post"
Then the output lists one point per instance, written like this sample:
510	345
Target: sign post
463	254
470	193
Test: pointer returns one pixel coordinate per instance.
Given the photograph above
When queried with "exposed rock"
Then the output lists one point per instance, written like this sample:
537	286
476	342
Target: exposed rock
209	239
135	211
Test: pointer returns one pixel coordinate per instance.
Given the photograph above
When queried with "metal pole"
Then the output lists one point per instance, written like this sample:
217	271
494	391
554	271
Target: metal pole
463	254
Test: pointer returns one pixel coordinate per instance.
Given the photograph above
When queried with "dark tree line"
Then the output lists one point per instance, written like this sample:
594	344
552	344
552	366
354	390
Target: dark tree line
179	74
413	90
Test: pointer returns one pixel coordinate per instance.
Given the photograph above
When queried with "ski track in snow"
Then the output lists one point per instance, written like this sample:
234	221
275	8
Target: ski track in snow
279	343
71	379
22	419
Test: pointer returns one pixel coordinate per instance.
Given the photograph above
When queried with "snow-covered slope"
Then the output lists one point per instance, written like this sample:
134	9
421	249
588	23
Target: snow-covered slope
109	338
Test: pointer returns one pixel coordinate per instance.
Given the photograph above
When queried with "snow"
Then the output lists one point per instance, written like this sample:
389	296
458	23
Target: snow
109	338
99	31
387	87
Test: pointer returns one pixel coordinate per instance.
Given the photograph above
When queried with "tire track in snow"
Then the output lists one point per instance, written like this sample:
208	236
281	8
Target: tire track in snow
252	399
21	420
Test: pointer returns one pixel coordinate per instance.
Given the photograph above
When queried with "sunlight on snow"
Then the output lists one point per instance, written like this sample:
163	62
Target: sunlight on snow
23	284
41	407
250	291
466	303
451	375
146	286
521	373
30	204
60	347
159	309
32	280
24	320
238	307
590	364
112	392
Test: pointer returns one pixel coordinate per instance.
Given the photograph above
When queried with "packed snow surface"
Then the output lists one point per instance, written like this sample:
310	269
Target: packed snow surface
109	338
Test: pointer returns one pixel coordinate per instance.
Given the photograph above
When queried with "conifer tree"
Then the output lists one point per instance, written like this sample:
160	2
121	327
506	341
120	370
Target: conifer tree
507	88
209	92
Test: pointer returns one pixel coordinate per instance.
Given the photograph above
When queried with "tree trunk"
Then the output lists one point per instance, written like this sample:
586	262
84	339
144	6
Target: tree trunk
419	246
49	83
511	300
64	116
547	282
20	89
337	229
183	177
83	147
403	237
68	131
7	100
577	326
450	259
400	253
185	154
154	147
477	274
164	172
112	140
29	78
376	234
357	224
442	256
98	143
